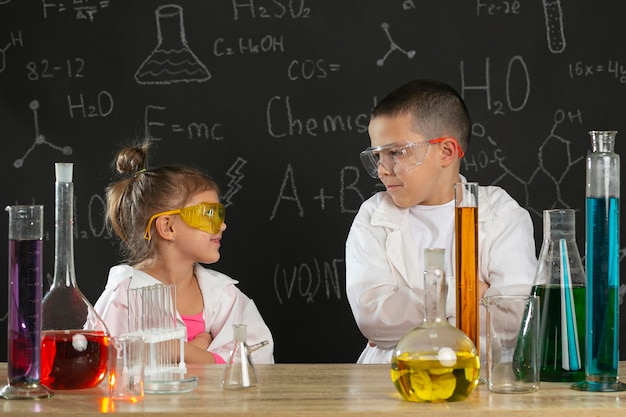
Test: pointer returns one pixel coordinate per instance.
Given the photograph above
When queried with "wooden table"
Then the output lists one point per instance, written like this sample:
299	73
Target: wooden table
321	390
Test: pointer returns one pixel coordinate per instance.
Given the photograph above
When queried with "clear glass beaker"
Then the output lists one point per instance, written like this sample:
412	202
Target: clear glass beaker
24	314
435	362
75	340
511	365
560	286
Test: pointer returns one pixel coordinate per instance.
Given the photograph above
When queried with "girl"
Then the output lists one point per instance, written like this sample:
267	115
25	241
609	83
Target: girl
170	221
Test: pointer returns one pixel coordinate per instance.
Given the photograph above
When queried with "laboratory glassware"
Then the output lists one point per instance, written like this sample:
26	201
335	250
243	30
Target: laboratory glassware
24	314
75	340
152	315
602	265
466	246
560	286
435	362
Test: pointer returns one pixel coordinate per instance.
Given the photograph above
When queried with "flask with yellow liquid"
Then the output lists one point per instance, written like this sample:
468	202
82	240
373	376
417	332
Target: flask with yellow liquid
435	362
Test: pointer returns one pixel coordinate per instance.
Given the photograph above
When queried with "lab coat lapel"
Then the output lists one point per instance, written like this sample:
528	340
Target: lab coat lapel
389	215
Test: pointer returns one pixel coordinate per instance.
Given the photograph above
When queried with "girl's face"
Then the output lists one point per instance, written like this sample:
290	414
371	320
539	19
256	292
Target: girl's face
198	245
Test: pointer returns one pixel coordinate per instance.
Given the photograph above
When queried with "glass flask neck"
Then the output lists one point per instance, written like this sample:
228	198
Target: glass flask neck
559	260
602	140
64	273
435	289
559	224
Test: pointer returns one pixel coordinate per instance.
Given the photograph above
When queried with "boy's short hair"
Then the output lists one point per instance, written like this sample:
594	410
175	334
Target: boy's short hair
437	109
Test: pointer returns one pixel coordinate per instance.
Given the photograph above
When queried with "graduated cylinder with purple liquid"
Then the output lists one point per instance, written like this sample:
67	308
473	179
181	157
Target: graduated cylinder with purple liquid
25	294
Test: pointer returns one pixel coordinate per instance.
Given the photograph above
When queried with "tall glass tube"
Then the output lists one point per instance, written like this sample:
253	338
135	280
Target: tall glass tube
602	266
466	242
25	292
75	340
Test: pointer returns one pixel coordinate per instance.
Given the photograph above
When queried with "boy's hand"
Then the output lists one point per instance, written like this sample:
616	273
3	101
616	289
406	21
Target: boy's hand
482	287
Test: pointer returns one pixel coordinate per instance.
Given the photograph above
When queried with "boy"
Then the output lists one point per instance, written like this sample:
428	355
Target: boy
419	133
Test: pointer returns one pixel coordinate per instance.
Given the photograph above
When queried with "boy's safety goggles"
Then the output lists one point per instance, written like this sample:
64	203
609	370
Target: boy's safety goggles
398	158
207	217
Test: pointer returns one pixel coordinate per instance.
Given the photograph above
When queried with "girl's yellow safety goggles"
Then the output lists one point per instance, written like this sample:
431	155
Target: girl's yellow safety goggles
207	217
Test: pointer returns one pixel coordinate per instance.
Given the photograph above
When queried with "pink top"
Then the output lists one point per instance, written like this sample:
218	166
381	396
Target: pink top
195	325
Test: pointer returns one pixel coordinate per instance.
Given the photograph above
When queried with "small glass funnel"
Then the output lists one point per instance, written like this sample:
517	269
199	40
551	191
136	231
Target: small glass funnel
240	372
25	291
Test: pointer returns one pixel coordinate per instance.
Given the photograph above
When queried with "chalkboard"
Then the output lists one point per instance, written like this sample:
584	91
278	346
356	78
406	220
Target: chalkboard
273	99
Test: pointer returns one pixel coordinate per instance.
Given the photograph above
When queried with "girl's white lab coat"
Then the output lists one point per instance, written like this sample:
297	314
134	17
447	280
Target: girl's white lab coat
224	305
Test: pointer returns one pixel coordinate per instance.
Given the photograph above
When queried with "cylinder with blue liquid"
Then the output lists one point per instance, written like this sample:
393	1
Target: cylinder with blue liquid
602	266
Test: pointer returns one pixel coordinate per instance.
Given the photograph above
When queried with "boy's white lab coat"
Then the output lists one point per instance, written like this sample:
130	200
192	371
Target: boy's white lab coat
384	273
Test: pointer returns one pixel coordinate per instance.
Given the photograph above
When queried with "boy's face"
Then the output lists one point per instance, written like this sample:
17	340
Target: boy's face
408	185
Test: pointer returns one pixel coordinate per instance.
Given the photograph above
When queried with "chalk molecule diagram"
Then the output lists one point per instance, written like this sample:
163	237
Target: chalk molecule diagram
558	150
3	57
39	138
392	47
16	41
553	147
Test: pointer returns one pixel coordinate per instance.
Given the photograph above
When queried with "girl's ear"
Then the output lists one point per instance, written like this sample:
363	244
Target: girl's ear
164	227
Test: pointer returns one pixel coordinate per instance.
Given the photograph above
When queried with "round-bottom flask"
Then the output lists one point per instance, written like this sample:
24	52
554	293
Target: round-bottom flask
435	362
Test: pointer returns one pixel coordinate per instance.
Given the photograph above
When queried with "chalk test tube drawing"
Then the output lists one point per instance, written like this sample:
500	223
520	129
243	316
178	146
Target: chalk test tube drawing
554	25
172	61
392	47
39	139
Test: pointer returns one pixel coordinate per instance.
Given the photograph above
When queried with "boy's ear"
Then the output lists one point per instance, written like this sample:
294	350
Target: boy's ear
449	151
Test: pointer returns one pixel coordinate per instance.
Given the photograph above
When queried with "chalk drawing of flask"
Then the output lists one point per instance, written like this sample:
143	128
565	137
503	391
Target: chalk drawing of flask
171	61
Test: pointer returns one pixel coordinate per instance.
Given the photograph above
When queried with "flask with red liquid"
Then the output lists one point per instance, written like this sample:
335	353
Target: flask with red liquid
75	340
